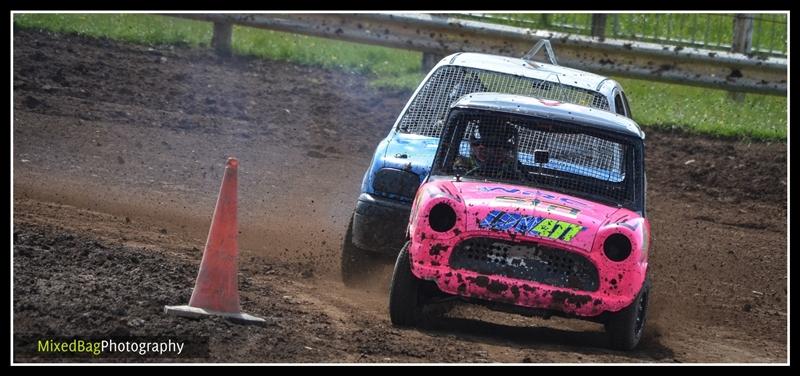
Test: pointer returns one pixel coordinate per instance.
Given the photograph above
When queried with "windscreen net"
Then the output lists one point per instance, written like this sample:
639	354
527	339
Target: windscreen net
425	114
539	152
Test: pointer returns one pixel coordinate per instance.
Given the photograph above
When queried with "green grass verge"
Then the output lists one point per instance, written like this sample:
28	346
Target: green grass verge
388	67
653	104
706	111
136	28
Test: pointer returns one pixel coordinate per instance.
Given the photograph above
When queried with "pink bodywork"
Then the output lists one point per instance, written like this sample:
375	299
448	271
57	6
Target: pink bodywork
575	225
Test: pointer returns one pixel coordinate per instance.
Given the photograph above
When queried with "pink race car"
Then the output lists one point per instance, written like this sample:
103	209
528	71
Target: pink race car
534	207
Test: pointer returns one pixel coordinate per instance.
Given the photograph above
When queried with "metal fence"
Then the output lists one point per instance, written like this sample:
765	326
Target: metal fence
439	34
713	31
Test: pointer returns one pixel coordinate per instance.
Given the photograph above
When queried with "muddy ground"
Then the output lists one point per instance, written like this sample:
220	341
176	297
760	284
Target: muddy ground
118	152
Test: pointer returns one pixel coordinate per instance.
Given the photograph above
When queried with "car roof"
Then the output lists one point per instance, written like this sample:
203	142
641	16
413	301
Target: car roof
522	105
537	70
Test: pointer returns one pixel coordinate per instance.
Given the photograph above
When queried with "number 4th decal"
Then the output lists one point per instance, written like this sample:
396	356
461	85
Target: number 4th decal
557	229
528	225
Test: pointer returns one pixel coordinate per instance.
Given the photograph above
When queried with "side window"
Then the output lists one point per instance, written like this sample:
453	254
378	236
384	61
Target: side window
627	106
618	105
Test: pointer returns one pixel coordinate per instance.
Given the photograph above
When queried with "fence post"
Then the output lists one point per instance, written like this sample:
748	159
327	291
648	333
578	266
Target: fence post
221	41
429	61
742	42
599	26
742	33
544	18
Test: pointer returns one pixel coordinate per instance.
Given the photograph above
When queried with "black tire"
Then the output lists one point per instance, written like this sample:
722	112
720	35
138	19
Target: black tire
625	327
357	263
405	303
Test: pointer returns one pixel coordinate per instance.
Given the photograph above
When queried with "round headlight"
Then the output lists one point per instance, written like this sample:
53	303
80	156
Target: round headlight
442	217
617	247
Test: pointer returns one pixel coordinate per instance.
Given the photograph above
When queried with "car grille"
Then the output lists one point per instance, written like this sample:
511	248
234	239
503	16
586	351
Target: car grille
526	261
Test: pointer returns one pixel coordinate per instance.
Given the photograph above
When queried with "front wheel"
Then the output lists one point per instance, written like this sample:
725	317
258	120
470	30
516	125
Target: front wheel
405	303
625	327
357	264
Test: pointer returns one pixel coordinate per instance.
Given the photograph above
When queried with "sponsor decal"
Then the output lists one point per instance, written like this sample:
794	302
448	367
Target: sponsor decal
529	225
549	102
547	196
549	206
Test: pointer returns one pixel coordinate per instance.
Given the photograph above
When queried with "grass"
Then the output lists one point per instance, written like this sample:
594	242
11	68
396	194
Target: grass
387	67
706	111
136	28
653	104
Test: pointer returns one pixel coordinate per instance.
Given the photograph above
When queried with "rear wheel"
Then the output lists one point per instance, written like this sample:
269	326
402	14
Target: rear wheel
625	327
357	263
405	299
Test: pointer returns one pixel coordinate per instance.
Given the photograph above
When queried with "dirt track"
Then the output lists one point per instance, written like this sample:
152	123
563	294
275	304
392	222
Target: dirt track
118	155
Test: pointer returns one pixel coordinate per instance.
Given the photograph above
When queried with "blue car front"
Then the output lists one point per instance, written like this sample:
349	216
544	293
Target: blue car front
401	162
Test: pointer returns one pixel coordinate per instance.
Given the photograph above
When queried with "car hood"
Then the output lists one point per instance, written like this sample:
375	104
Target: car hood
401	151
410	152
531	213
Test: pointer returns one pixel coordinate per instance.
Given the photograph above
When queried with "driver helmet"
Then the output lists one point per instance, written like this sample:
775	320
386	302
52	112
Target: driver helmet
493	146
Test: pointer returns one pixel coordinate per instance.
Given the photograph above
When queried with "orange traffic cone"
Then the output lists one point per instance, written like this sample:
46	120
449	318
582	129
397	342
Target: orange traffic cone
216	291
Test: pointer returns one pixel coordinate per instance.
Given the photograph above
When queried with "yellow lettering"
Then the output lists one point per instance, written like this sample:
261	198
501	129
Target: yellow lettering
544	227
574	230
559	229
